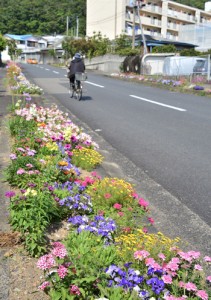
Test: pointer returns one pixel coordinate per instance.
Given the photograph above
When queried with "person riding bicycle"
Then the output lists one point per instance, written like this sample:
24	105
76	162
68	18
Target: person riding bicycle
76	65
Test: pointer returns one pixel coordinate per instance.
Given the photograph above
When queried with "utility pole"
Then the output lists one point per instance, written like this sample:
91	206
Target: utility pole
142	32
115	20
134	26
77	25
67	27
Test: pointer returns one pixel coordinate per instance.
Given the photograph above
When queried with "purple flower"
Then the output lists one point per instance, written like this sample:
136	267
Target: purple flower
198	88
31	152
157	285
9	194
27	98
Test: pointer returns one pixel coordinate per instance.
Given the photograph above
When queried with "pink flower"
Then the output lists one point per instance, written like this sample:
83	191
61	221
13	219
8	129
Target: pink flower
29	165
117	206
144	229
207	259
149	261
181	284
167	279
44	285
46	262
209	278
151	220
141	254
21	171
185	256
143	203
194	254
172	266
135	195
175	260
62	271
202	294
162	256
198	267
189	286
107	195
59	250
74	290
120	213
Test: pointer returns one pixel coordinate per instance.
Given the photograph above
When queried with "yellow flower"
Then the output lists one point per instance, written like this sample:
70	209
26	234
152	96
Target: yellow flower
62	163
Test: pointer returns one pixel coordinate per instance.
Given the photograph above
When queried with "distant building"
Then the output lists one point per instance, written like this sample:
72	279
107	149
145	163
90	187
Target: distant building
160	19
34	47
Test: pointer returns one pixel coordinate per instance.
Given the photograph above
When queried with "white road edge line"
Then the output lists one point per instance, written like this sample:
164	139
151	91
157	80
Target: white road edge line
101	86
158	103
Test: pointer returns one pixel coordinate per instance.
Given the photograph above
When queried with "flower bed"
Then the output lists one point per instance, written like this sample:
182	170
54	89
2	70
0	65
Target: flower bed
108	252
197	84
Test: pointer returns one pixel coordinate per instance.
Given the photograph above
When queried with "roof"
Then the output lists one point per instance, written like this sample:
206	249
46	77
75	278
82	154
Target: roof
19	37
150	41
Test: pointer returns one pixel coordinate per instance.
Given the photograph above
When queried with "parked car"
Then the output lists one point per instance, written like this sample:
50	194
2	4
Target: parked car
32	61
201	66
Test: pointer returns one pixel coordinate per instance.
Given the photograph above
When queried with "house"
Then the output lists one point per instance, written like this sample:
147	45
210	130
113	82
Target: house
36	48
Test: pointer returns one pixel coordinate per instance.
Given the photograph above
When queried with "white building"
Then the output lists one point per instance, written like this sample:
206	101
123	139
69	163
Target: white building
159	18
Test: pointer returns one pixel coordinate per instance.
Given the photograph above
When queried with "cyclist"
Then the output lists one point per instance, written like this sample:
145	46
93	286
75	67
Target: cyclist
76	65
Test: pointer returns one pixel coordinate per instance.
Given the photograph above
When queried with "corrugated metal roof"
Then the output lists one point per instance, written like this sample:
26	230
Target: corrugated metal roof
19	37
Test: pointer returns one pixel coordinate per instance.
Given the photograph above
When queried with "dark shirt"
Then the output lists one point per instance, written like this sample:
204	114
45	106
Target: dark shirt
76	65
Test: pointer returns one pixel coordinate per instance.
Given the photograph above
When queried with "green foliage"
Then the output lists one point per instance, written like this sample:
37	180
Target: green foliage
41	17
91	47
20	163
194	3
21	127
13	51
30	214
165	49
89	257
128	52
3	43
189	52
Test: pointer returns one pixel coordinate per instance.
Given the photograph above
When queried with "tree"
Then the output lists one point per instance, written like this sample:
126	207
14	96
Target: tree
164	49
40	17
3	44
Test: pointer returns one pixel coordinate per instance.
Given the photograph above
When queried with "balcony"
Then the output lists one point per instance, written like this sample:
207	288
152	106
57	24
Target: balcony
181	16
152	8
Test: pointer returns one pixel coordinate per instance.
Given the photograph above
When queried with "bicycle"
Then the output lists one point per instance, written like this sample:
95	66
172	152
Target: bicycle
77	87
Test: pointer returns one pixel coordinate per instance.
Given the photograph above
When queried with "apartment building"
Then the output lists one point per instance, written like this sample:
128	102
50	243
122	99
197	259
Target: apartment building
161	19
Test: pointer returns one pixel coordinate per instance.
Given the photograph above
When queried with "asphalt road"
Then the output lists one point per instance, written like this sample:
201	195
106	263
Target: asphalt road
165	135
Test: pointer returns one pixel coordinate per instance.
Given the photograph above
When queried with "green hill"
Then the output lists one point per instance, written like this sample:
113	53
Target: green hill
195	3
41	16
47	17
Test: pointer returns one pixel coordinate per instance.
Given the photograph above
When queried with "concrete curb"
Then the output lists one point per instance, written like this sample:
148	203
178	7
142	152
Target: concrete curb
5	100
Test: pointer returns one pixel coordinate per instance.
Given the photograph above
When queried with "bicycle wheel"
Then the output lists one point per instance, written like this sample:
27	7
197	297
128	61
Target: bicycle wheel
78	92
72	90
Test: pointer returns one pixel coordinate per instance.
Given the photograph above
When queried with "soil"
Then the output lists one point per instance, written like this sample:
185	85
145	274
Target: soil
24	276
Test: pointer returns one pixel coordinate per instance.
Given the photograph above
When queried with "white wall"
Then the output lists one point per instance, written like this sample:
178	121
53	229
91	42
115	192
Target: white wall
105	16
